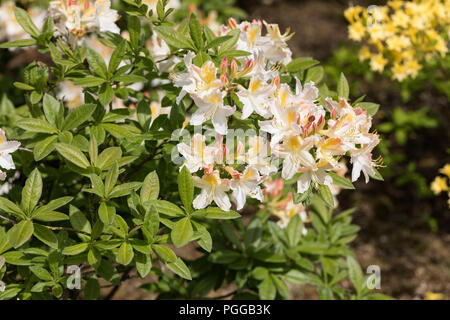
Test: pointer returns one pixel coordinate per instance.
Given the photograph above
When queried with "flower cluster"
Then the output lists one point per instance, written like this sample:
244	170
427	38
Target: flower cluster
401	35
308	134
440	183
79	17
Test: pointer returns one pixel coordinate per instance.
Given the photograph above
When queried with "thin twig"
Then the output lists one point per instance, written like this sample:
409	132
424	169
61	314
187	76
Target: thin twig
7	219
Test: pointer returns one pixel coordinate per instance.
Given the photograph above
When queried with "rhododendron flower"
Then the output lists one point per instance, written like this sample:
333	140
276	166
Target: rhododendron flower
213	189
245	184
362	160
197	155
82	16
256	97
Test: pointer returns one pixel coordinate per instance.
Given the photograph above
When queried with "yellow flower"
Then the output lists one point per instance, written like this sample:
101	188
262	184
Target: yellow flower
400	71
445	170
356	31
413	67
364	53
433	296
438	185
378	62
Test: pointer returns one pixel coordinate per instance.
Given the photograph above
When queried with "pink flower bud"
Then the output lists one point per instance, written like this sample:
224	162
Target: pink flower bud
224	65
224	79
321	121
232	23
311	118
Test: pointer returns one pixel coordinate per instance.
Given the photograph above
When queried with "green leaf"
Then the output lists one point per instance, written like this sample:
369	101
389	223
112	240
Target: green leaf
341	181
25	22
32	191
18	43
20	233
52	205
195	30
88	81
75	249
51	109
186	188
228	44
143	264
50	216
78	116
106	213
377	175
267	290
117	56
92	289
46	236
126	254
111	178
216	213
36	125
134	28
130	78
355	274
217	41
124	189
150	187
343	89
301	64
23	86
294	230
73	154
44	148
167	208
173	38
164	253
180	268
372	108
94	257
41	273
11	208
151	220
96	63
107	158
106	94
326	195
182	232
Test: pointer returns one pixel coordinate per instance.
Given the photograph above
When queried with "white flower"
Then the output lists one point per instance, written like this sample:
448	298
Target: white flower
319	176
362	160
7	147
213	189
197	155
258	155
245	184
211	107
284	122
199	81
295	152
82	16
256	97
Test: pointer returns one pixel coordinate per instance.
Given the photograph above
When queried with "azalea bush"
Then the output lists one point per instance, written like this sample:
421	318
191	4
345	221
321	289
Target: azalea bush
201	160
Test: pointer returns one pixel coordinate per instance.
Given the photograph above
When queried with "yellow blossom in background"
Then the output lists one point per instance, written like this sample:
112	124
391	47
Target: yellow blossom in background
440	184
401	35
433	296
445	170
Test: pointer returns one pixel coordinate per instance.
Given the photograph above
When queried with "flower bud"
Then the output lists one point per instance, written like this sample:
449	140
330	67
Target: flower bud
224	65
224	79
232	23
233	68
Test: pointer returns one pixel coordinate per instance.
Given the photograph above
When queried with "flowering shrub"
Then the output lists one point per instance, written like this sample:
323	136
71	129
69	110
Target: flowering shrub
402	35
135	142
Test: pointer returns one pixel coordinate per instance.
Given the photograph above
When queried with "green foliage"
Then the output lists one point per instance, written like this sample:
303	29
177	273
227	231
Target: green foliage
122	203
